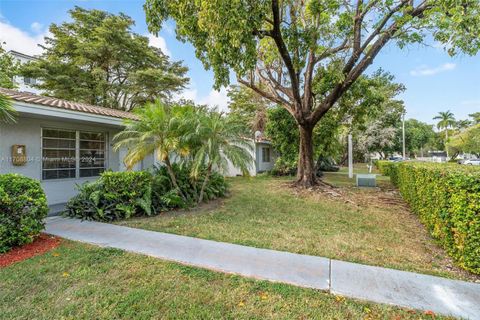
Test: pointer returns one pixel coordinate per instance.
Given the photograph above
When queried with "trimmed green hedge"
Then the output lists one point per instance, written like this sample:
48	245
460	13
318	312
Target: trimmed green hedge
447	199
23	206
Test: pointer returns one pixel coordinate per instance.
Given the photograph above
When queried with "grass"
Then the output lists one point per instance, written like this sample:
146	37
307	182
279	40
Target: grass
78	281
370	226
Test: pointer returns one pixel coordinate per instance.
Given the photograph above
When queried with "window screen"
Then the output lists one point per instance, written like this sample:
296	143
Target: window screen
72	154
58	154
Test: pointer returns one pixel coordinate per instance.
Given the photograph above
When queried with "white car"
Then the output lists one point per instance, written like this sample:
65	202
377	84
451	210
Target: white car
472	162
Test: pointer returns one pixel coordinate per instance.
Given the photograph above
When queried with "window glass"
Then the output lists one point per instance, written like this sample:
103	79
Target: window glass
92	154
58	154
266	154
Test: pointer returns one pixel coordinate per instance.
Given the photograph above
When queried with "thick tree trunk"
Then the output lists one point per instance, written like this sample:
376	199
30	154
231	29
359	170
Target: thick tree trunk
306	176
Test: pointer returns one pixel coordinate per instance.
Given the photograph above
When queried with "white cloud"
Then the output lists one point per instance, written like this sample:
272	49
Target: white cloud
213	99
158	42
216	99
19	40
36	27
424	70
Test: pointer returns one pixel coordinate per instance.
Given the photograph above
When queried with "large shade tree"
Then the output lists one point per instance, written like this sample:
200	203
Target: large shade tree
96	58
277	48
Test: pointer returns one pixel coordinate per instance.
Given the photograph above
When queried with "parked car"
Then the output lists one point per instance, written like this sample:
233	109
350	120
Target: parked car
395	159
472	162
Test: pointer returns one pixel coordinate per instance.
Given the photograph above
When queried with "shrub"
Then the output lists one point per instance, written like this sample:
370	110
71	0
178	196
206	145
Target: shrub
284	167
23	206
115	195
447	199
166	198
122	195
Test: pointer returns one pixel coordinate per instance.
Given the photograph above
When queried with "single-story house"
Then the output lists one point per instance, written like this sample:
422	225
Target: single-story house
64	143
60	143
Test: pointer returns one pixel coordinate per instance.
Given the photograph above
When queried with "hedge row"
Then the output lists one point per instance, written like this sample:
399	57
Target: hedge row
23	206
447	199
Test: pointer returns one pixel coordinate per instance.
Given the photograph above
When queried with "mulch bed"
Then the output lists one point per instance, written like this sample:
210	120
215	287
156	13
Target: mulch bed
40	245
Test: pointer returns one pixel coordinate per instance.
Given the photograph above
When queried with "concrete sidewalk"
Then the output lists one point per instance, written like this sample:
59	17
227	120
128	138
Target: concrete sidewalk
406	289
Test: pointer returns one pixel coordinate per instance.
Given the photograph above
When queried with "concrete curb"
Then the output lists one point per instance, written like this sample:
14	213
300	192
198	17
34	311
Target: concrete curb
381	285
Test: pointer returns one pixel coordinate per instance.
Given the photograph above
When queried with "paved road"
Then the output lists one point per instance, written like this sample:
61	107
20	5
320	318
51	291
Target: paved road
405	289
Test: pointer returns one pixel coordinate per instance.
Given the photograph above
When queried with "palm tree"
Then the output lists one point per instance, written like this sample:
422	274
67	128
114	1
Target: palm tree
446	120
221	140
7	113
160	129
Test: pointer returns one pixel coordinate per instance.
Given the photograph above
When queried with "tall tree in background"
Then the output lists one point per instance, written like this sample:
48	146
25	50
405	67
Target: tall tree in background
9	68
97	59
467	141
248	107
446	119
476	117
278	47
418	135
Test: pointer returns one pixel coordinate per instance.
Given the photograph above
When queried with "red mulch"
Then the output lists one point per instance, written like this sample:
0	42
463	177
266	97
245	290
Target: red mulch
40	245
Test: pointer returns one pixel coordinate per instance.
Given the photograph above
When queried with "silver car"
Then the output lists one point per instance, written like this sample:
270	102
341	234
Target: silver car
472	162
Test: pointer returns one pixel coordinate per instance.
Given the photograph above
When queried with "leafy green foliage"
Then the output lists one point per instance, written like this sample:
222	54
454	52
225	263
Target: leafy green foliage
447	199
418	135
23	206
248	107
123	195
467	141
8	69
115	195
97	58
7	113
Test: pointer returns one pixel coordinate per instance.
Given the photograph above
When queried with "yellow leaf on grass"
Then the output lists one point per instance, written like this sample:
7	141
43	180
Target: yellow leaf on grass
66	274
56	254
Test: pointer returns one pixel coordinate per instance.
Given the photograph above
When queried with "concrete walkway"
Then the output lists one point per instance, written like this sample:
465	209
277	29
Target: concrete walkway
406	289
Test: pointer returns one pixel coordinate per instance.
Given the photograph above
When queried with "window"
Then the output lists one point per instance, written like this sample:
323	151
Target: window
266	154
72	154
29	81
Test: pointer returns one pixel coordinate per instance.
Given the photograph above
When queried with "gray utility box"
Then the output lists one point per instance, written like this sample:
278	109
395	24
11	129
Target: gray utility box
366	180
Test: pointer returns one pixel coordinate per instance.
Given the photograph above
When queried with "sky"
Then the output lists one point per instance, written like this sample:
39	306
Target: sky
434	80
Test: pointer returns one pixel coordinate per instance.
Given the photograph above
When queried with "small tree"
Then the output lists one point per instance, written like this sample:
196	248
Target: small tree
467	141
160	129
219	140
446	120
277	48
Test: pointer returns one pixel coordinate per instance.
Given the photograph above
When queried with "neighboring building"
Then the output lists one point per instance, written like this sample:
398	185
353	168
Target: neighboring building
24	83
65	143
263	156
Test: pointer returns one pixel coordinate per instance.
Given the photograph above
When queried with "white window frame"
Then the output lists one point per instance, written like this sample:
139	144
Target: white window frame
77	152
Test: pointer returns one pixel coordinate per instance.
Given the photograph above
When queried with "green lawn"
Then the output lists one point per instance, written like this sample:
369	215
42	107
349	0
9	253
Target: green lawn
77	281
373	226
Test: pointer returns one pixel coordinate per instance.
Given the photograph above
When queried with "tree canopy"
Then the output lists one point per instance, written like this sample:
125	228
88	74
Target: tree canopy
8	69
467	141
97	58
277	48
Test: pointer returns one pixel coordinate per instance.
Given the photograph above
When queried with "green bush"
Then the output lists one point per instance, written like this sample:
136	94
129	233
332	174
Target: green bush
388	168
115	195
122	195
23	206
447	199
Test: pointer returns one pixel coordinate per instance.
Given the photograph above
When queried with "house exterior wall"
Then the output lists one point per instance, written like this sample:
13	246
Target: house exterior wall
27	131
261	165
257	165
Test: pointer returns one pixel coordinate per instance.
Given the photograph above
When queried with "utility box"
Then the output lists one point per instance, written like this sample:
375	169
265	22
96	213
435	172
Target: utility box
366	180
